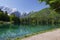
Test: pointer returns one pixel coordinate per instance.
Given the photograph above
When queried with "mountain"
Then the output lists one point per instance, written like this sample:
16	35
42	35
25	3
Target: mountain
41	13
3	8
10	11
17	14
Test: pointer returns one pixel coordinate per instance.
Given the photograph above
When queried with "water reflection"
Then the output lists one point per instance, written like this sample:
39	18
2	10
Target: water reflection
12	30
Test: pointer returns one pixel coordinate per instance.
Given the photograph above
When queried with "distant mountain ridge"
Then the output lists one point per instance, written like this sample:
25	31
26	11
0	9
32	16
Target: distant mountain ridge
44	12
10	11
37	14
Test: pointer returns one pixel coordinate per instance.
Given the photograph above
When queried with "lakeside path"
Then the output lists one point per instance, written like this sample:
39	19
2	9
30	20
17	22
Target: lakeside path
52	35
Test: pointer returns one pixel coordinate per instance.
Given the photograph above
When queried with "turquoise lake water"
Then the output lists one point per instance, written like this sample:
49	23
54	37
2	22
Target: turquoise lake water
21	30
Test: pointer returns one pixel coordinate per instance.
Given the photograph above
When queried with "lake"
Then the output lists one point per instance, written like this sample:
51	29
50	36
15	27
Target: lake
11	30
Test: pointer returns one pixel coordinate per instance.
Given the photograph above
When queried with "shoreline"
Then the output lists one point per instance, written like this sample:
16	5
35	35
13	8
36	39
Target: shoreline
30	35
50	35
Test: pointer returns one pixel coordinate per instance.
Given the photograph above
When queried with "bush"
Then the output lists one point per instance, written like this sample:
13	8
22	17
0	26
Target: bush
1	22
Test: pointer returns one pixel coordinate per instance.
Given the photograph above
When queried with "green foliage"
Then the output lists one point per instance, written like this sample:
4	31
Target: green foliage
8	18
45	16
54	4
40	16
14	19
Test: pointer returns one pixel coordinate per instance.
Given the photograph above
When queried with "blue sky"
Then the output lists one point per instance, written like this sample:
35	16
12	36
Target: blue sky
23	5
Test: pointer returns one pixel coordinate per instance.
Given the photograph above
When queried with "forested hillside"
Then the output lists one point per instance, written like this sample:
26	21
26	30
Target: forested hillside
4	17
45	16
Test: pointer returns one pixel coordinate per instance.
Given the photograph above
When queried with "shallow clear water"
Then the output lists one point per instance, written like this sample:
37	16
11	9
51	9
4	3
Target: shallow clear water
21	30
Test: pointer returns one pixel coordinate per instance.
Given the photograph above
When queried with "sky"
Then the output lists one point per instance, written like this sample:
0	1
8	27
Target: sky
23	5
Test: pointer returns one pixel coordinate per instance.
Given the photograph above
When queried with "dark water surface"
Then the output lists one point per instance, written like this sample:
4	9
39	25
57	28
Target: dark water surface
12	31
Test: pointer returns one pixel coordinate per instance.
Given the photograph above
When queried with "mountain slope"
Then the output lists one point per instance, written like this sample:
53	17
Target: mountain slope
41	13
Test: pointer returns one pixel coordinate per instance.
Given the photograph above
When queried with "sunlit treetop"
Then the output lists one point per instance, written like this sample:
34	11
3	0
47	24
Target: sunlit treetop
54	4
50	1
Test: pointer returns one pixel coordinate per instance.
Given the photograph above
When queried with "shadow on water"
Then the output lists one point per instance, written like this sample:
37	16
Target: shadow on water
13	30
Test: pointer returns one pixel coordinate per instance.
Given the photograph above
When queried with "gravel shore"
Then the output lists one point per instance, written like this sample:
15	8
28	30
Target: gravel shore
52	35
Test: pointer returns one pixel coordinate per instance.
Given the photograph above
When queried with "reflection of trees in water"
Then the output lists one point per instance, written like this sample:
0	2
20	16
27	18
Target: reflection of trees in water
21	30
